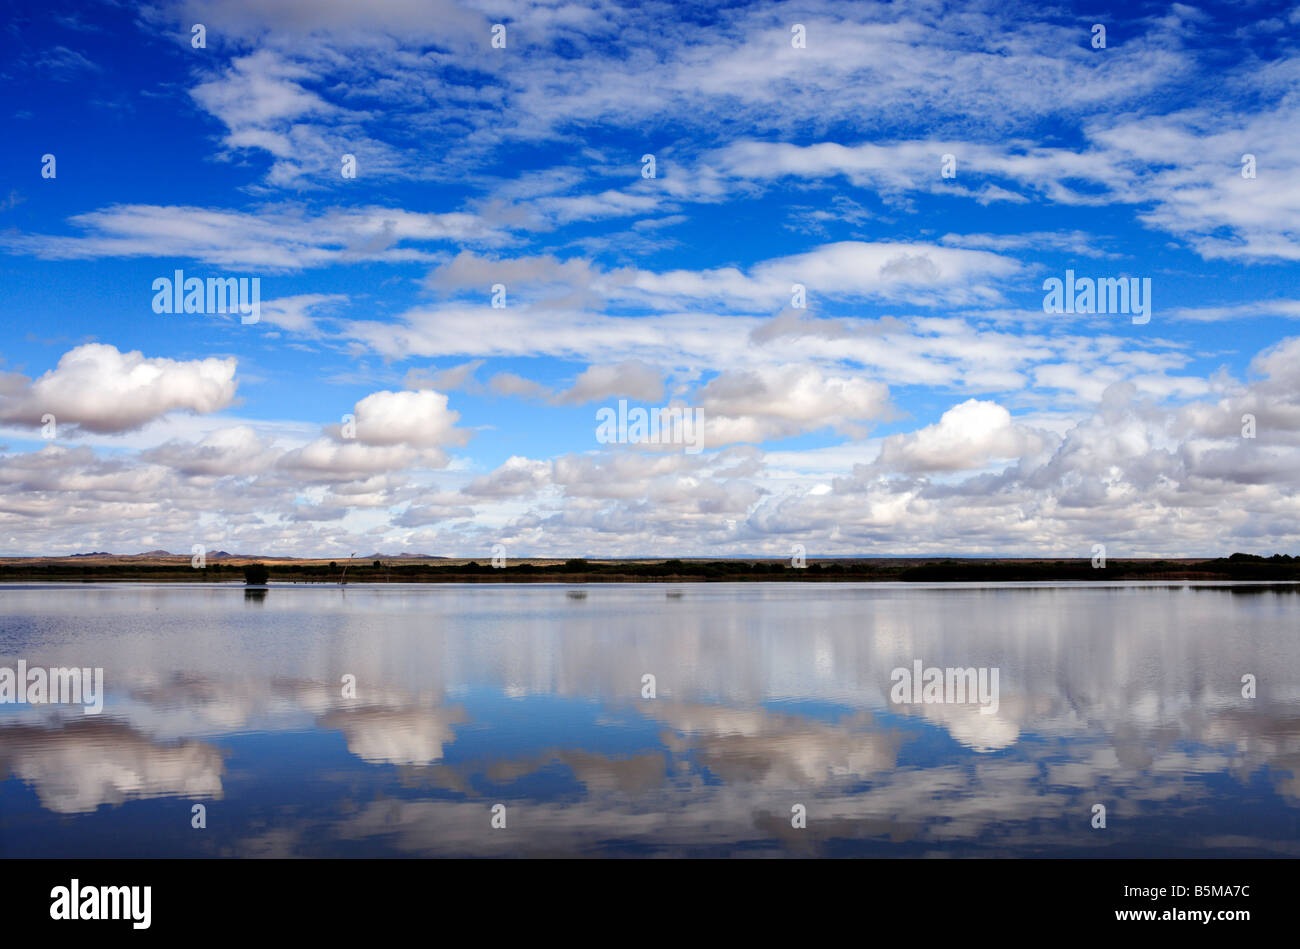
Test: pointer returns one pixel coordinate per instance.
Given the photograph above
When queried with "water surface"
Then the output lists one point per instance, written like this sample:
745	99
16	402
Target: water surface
767	696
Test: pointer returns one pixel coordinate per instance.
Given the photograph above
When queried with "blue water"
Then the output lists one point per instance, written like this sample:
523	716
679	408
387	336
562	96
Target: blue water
767	696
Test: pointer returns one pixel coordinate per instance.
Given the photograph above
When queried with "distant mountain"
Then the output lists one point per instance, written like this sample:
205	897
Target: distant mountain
93	553
402	556
157	553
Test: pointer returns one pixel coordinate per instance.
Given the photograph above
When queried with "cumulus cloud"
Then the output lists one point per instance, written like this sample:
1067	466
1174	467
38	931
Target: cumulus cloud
327	459
389	432
619	284
238	450
778	402
966	436
518	476
420	418
99	389
1031	483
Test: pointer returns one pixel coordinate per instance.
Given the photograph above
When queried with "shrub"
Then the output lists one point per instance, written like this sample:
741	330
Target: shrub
256	573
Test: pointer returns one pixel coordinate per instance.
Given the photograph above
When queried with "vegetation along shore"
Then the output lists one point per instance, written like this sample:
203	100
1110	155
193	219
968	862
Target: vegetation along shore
162	566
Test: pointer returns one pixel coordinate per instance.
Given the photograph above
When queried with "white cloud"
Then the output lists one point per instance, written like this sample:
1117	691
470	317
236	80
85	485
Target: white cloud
274	238
390	432
510	384
518	476
632	379
100	389
295	313
420	418
756	405
238	450
969	435
1288	309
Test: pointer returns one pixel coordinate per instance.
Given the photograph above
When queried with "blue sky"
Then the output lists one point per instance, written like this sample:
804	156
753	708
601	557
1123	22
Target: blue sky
922	401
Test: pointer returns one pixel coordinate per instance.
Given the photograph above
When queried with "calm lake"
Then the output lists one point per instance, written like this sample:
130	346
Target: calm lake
771	707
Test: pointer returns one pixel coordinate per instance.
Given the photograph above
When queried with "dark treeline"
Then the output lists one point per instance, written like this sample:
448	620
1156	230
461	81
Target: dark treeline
1236	567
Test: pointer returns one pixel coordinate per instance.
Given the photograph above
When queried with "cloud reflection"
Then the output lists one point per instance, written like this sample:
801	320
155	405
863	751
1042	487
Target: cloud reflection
767	697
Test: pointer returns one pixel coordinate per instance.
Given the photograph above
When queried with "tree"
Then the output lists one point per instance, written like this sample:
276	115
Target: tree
256	574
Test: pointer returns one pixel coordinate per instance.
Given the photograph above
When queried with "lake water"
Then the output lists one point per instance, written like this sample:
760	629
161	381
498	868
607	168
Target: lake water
768	698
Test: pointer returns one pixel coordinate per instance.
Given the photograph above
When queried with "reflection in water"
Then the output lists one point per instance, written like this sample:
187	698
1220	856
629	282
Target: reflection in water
79	765
254	594
395	735
389	721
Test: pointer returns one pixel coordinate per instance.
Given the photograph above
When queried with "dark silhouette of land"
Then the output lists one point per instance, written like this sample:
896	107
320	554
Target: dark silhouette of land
160	565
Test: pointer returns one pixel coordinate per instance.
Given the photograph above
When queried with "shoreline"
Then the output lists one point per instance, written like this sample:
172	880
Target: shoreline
1240	567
